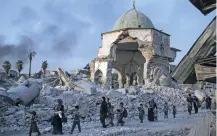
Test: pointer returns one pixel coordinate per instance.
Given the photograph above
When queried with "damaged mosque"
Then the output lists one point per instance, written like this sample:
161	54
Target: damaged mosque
137	51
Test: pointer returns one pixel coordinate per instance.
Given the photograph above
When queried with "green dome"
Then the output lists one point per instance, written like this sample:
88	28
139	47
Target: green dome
133	19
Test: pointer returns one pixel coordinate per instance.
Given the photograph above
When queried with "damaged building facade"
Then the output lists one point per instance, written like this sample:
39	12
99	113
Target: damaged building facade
136	50
199	64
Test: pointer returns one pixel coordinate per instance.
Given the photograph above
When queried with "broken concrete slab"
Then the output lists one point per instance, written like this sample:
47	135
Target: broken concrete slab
27	91
116	92
87	87
164	80
200	95
65	79
133	90
21	79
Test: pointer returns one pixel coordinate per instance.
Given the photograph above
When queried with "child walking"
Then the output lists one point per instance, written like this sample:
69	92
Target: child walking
166	108
174	111
141	113
33	126
111	115
76	122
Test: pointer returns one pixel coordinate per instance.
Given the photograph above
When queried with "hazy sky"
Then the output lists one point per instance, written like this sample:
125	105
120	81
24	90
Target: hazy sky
67	33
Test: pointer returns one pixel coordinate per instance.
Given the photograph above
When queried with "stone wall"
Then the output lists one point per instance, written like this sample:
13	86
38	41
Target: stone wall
150	62
109	38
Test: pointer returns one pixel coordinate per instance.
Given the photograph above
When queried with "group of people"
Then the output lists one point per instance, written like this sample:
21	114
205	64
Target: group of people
166	110
153	111
107	113
194	102
57	119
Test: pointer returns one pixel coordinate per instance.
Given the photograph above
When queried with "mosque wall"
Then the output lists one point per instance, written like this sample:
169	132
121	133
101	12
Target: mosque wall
131	62
141	34
161	44
107	40
172	54
148	67
123	57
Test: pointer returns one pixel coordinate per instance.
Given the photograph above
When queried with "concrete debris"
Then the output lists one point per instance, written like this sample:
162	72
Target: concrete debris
116	93
200	95
164	81
87	87
133	90
21	79
65	79
26	92
41	97
2	89
7	83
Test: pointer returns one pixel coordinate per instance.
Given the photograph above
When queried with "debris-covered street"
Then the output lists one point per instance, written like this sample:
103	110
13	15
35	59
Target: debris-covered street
180	126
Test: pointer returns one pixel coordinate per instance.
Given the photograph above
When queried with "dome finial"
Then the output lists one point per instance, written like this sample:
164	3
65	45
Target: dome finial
134	4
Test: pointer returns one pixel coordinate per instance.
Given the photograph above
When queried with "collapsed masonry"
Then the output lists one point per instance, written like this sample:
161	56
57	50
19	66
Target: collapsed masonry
139	53
42	96
138	57
26	91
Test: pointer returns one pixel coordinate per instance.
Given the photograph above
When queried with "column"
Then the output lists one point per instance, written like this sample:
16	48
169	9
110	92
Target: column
108	75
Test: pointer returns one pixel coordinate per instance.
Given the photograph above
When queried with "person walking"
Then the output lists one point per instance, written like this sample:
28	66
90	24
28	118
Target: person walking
57	119
208	102
111	115
141	113
174	111
121	113
33	126
103	112
189	100
109	103
195	103
152	106
76	121
166	109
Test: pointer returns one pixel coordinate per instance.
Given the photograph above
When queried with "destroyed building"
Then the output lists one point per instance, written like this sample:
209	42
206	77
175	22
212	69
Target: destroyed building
205	6
199	64
139	52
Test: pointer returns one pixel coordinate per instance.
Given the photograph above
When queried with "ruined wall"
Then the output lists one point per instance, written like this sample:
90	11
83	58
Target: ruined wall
161	43
130	62
172	54
102	66
143	34
150	62
109	38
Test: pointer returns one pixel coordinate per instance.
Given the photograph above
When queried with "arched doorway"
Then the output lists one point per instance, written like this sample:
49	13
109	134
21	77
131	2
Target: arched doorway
98	77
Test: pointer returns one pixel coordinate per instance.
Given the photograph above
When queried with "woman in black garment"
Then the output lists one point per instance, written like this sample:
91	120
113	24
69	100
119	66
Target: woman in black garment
57	119
152	106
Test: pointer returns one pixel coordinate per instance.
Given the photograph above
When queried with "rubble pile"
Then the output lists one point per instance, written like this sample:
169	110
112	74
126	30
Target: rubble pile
88	96
13	119
135	95
213	125
7	83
